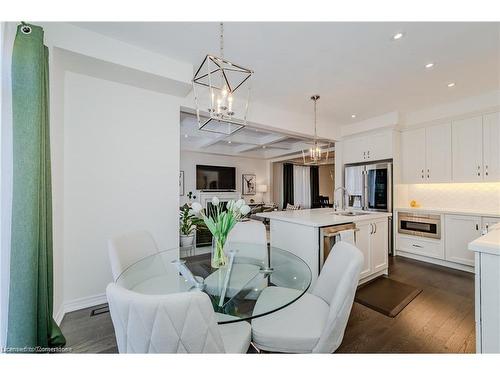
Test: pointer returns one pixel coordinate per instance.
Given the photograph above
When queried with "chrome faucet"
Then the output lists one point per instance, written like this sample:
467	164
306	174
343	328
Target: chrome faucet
346	194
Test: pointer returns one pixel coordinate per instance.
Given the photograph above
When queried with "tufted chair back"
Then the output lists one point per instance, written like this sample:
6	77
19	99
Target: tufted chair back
173	323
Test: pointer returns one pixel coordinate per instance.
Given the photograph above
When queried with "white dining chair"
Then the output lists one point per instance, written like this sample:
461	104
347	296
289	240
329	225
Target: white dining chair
172	323
316	322
251	232
128	248
249	240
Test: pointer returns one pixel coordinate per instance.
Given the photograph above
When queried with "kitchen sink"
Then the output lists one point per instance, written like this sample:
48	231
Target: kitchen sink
351	213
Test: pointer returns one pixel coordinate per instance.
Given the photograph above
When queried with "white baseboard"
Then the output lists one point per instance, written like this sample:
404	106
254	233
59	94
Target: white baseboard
59	315
78	304
439	262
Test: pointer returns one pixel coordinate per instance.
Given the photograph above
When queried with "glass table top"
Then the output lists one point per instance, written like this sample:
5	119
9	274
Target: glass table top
233	289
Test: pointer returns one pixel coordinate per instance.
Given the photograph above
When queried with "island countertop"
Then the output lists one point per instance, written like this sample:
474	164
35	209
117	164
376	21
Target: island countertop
319	217
489	243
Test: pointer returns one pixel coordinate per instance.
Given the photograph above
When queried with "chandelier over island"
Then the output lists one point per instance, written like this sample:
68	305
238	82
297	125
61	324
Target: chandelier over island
315	155
218	108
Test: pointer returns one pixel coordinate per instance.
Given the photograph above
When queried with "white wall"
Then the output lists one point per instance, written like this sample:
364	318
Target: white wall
121	162
259	167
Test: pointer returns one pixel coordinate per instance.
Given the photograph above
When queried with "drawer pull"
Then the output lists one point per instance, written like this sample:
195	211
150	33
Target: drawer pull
414	245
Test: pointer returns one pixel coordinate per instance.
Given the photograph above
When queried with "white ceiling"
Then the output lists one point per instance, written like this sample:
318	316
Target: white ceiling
355	67
247	142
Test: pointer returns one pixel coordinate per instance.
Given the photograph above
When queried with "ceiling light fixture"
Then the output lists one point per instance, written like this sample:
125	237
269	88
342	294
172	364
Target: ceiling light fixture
185	135
229	142
451	84
429	65
314	154
214	86
397	36
353	116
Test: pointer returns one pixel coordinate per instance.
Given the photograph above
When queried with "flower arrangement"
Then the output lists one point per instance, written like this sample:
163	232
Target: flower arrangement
220	222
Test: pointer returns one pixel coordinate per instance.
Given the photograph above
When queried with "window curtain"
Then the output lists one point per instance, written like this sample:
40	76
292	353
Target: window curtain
30	321
302	186
315	187
288	196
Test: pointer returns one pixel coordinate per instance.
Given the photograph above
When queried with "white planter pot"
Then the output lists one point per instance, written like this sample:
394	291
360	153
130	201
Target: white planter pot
186	240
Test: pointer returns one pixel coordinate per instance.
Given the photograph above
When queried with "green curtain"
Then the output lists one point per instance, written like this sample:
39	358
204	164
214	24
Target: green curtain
30	322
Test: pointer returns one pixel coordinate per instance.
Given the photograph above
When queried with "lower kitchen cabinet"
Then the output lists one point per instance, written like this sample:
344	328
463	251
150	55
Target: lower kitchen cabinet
372	239
363	243
459	231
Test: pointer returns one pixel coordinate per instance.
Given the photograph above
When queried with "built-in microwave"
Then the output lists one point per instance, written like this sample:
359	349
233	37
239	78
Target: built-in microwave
421	225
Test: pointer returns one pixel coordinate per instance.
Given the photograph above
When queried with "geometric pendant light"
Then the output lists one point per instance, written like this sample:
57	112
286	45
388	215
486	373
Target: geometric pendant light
219	108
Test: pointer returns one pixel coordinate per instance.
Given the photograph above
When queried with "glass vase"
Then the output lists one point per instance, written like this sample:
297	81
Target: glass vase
218	258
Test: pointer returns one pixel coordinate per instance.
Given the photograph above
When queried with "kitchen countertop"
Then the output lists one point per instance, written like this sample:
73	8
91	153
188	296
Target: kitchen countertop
319	217
489	243
454	211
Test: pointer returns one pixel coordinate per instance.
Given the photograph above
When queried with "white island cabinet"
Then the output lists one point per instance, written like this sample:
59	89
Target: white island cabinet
487	283
300	233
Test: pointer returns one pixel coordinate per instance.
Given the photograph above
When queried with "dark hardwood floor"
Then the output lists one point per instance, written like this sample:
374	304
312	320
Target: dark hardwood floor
439	320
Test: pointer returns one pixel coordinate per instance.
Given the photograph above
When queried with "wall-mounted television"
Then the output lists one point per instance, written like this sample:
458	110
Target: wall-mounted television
212	177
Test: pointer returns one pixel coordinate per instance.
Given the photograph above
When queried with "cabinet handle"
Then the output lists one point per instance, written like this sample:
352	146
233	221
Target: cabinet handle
371	228
422	173
486	170
368	154
414	245
364	154
479	170
477	226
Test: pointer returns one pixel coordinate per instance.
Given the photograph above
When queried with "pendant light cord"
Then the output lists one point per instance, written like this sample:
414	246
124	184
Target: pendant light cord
222	40
315	132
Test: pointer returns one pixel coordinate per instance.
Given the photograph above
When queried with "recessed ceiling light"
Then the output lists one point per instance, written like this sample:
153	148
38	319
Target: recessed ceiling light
263	146
397	36
185	135
451	84
229	142
353	115
429	65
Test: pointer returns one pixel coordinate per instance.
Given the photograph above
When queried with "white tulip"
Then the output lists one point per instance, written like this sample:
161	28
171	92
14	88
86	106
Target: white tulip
196	208
244	209
230	205
239	203
215	201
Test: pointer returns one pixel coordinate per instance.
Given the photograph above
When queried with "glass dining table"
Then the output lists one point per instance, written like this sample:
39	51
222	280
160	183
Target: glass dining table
233	289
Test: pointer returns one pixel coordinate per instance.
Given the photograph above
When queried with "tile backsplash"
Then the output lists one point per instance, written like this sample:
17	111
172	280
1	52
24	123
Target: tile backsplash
481	196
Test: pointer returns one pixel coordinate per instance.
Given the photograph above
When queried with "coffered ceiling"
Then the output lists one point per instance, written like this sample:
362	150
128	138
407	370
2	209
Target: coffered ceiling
247	142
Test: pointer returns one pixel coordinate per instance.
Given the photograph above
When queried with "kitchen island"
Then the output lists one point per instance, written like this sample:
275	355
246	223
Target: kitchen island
487	282
301	232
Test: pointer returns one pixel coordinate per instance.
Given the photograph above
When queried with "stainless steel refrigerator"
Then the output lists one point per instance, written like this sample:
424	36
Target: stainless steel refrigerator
369	187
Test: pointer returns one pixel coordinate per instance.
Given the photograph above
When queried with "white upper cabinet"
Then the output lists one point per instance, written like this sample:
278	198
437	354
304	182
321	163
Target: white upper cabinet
468	149
413	156
365	148
438	153
491	147
426	154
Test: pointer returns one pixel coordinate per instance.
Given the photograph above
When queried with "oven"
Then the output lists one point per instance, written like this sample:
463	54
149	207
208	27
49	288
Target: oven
420	225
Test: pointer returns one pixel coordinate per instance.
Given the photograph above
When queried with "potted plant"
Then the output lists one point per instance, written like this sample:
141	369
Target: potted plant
220	222
187	226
